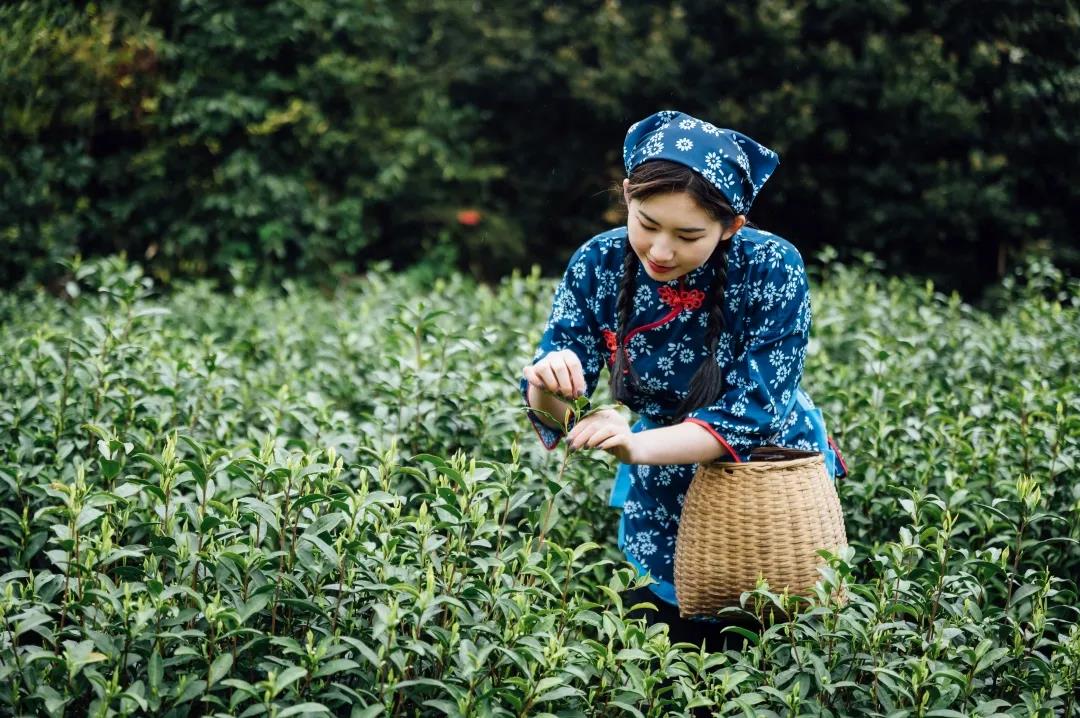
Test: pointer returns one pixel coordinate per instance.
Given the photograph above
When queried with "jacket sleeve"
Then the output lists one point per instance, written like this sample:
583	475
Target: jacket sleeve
572	325
761	382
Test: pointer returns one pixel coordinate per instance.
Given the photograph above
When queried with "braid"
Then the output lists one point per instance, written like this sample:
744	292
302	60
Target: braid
619	390
707	383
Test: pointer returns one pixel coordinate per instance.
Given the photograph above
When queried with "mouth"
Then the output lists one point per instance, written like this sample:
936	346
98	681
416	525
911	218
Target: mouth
658	268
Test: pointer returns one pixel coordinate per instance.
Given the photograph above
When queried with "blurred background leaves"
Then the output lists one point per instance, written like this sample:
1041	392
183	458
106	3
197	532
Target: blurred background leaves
311	139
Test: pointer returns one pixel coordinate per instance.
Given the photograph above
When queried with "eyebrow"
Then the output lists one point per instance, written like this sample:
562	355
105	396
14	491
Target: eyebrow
677	229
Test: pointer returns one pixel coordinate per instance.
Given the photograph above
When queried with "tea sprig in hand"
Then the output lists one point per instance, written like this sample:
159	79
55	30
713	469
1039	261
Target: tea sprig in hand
559	374
577	408
601	427
607	429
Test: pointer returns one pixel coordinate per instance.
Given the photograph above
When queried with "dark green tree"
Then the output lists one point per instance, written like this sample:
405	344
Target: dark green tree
279	138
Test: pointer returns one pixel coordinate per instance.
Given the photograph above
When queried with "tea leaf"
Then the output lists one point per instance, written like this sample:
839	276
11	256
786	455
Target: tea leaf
304	709
219	668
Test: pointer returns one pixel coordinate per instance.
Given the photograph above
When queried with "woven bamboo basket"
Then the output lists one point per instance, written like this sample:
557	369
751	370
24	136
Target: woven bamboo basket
766	517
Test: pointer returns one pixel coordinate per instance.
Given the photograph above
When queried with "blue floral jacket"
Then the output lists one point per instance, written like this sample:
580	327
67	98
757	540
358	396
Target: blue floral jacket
761	352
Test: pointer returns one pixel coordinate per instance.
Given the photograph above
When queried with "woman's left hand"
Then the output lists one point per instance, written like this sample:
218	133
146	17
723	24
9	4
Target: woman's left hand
607	430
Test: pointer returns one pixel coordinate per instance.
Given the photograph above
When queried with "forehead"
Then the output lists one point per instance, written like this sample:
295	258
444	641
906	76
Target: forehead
673	208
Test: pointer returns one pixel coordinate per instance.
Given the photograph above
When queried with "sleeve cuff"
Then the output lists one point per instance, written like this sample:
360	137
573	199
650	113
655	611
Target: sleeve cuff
708	427
548	437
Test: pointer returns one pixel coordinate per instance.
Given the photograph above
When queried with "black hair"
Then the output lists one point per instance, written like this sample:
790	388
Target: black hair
660	177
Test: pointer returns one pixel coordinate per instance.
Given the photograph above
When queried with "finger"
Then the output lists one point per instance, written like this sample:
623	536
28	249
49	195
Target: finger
562	373
577	374
530	376
579	427
547	376
600	436
594	435
586	431
611	442
588	424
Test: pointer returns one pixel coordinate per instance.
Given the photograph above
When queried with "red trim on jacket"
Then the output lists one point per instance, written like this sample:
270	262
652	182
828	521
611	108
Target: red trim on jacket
677	299
717	436
612	343
651	325
839	456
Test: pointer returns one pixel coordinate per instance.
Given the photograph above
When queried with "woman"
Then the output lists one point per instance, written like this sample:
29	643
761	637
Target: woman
703	322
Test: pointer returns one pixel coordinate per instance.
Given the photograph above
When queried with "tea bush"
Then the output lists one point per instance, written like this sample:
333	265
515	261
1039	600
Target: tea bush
293	503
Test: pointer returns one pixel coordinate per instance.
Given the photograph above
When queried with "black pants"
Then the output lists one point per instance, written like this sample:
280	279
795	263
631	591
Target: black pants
705	634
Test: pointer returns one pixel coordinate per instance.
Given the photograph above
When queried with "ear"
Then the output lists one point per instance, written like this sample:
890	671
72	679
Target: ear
736	224
626	191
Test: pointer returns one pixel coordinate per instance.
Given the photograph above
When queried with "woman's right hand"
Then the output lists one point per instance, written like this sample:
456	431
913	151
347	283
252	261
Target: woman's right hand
559	372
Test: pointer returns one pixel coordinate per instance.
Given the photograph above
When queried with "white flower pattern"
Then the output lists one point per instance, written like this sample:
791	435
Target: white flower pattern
722	156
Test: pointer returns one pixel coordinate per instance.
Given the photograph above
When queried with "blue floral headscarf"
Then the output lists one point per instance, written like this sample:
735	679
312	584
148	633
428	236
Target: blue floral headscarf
732	162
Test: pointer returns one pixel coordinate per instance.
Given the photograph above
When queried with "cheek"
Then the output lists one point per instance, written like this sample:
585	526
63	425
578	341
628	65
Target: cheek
638	242
703	252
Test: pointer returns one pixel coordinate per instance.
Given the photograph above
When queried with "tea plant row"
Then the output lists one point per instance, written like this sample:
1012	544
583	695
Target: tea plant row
278	502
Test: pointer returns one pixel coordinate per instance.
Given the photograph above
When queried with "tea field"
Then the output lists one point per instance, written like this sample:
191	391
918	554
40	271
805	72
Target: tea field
282	502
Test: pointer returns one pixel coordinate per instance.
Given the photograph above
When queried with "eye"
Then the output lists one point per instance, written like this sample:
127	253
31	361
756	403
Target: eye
646	227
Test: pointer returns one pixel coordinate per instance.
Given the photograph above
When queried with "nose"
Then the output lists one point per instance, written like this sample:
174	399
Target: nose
662	252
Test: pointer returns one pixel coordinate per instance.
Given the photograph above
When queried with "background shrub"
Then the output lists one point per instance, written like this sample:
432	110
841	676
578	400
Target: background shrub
315	138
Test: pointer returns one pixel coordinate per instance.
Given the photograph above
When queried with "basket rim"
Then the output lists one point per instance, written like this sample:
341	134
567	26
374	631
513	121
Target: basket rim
759	467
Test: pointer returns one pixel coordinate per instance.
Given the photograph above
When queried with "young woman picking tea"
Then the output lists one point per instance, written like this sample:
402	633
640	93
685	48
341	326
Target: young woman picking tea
703	322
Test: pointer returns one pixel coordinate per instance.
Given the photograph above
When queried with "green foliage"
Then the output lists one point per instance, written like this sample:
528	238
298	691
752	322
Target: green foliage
283	137
289	503
205	137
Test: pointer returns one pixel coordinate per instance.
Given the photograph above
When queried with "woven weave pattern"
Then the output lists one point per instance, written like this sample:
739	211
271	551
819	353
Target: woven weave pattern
766	517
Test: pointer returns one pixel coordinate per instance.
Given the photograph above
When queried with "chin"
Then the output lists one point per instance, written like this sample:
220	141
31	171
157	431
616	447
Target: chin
666	276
